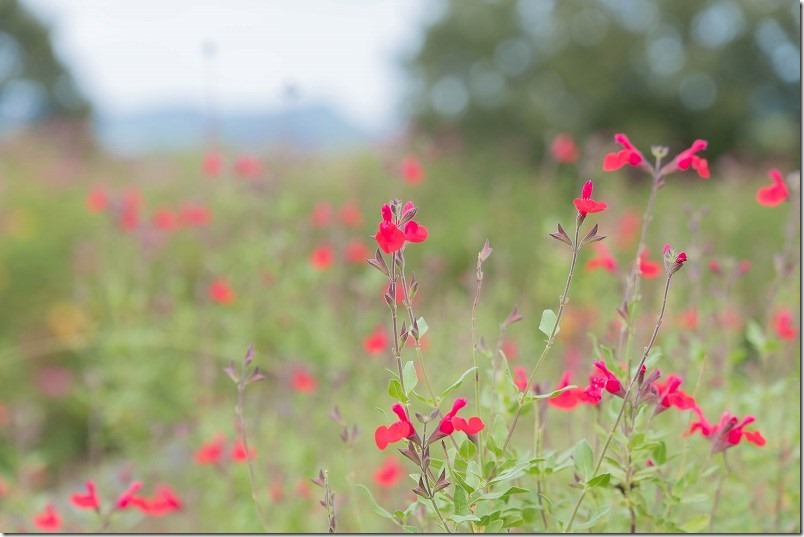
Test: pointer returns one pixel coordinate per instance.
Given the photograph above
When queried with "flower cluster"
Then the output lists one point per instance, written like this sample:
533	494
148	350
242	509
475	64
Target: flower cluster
630	155
390	235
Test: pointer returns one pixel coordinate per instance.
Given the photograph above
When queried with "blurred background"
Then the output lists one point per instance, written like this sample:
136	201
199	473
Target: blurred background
179	180
147	75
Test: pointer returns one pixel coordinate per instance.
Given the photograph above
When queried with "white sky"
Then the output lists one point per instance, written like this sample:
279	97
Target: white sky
135	53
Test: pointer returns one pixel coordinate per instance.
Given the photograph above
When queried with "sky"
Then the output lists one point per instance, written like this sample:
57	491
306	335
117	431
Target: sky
132	54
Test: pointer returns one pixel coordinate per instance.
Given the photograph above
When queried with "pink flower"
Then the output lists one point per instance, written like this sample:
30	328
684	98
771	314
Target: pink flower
239	453
350	215
585	204
321	215
192	215
220	291
49	519
728	432
322	257
520	378
389	474
377	342
603	260
411	170
97	200
568	399
451	422
303	382
773	195
628	155
563	149
128	495
783	324
212	164
210	452
688	159
165	219
247	166
395	432
669	394
613	385
390	238
357	251
648	269
88	500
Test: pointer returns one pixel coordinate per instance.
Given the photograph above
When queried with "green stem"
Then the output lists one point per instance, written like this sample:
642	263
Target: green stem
625	403
474	358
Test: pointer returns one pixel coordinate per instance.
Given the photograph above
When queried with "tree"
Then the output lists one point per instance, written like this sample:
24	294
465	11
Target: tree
34	84
664	71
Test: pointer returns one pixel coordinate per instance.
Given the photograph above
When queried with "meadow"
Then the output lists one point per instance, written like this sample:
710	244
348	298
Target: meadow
201	338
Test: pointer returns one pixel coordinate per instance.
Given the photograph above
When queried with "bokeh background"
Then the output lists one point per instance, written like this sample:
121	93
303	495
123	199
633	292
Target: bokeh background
181	180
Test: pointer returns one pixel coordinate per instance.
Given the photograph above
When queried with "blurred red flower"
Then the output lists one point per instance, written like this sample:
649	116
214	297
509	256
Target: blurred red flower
128	495
648	269
210	452
377	342
163	502
357	251
568	399
783	324
774	194
322	257
321	215
350	215
603	260
563	149
220	291
389	474
239	452
688	319
520	378
303	382
247	166
193	215
88	500
48	520
510	349
212	165
727	433
165	219
97	200
688	159
670	395
411	170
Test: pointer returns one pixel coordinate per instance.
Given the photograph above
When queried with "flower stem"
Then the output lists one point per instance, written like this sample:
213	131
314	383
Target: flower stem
397	353
241	424
718	491
625	403
409	307
563	299
474	357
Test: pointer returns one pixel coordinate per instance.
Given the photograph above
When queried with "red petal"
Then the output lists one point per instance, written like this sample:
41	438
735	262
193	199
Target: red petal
612	162
414	232
389	237
772	195
381	436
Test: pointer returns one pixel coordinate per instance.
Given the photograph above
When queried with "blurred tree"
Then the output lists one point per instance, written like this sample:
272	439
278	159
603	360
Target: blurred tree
663	71
34	84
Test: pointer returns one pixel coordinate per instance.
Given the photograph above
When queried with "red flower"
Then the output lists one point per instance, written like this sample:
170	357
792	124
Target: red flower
568	399
773	195
390	238
648	269
783	324
688	159
628	155
322	257
88	500
48	520
585	204
97	200
603	260
593	393
377	342
220	291
350	215
411	170
510	349
563	149
163	502
165	219
727	433
192	215
212	164
520	378
627	228
128	495
239	453
613	385
669	394
451	422
689	319
357	251
321	215
303	382
389	474
247	166
130	213
210	452
396	431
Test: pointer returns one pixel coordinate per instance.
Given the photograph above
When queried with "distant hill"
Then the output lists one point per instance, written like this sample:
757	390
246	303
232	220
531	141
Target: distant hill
166	128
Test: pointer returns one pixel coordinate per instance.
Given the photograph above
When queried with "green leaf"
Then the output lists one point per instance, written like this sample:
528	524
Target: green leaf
410	377
456	383
695	524
395	391
583	458
755	335
460	501
494	527
548	322
377	509
592	521
512	473
660	453
410	529
422	325
599	481
501	494
533	397
462	518
468	449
